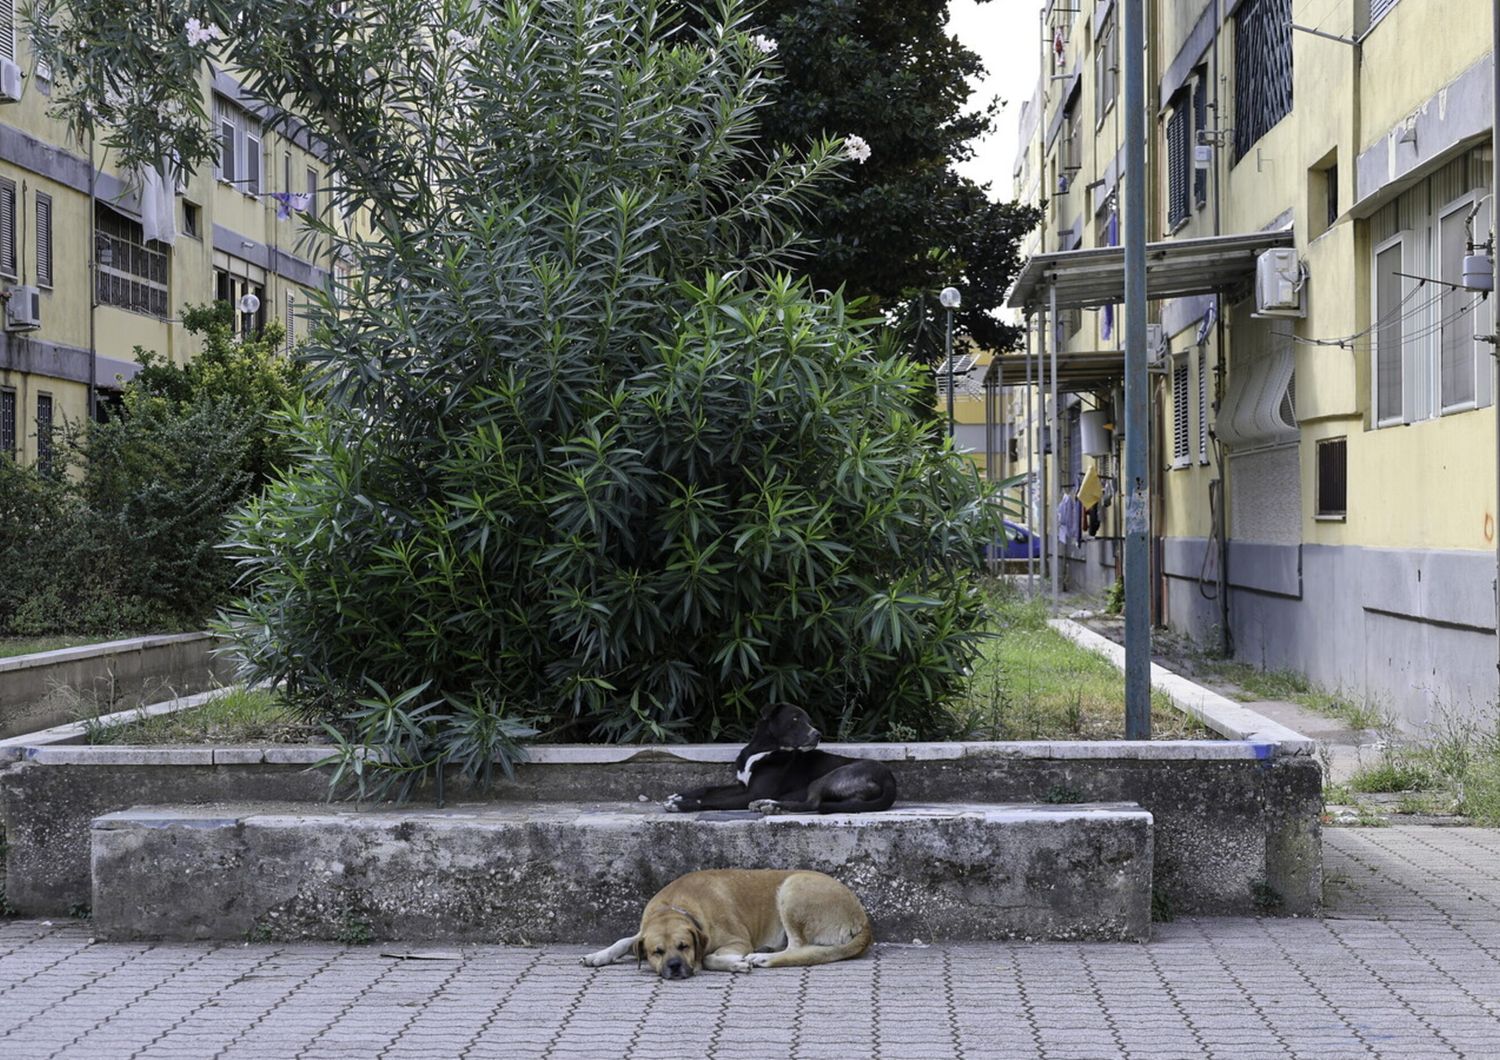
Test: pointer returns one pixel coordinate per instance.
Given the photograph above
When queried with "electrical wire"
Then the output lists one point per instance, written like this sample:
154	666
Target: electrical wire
1425	331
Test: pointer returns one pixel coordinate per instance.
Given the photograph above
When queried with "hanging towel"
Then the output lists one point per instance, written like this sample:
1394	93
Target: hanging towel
1090	490
158	207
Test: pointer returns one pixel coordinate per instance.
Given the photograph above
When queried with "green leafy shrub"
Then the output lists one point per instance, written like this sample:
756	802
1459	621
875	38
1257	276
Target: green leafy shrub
590	463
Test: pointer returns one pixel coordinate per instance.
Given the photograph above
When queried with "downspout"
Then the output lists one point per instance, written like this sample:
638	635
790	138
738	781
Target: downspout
93	250
1495	321
1221	511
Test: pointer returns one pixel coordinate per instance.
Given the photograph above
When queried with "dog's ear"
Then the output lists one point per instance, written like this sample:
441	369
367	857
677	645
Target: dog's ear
700	944
640	951
767	710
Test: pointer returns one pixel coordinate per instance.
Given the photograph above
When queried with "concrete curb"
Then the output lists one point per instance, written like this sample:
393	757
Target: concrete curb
37	745
1218	712
100	650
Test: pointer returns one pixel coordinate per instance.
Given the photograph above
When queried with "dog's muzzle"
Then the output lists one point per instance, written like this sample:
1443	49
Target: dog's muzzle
676	968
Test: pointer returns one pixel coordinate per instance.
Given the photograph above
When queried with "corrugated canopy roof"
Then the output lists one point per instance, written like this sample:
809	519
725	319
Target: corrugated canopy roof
1175	268
1079	372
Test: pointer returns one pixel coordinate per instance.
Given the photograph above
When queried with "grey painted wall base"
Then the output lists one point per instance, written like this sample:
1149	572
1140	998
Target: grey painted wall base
50	688
1411	632
553	872
1234	821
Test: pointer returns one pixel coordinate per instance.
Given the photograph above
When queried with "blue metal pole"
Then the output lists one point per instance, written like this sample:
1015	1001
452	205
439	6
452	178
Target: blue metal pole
1135	481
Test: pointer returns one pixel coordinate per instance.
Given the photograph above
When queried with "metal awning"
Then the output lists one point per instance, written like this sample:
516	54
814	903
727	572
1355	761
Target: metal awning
1176	268
1077	373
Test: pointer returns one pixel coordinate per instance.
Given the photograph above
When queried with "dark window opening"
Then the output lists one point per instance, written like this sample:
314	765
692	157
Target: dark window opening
1331	184
129	272
8	423
231	288
190	219
1332	477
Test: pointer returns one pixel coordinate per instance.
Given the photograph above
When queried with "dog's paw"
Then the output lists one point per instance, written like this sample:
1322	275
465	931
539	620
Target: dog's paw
759	960
597	959
744	964
676	804
768	807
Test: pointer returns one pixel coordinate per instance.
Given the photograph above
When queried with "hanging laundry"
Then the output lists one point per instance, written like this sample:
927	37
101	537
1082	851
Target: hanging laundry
1090	490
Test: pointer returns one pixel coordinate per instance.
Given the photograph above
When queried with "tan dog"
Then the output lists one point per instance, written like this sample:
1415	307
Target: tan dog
732	920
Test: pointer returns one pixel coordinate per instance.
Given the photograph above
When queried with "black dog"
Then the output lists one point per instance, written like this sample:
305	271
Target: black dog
781	771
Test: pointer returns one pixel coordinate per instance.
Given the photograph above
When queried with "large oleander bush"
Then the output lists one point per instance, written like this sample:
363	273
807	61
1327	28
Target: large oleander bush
590	463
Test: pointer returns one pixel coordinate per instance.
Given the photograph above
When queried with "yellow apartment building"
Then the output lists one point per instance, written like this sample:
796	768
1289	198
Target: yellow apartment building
1323	448
83	285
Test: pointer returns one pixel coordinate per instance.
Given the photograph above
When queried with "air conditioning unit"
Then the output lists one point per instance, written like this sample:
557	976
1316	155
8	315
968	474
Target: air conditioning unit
1279	281
1156	343
23	309
10	81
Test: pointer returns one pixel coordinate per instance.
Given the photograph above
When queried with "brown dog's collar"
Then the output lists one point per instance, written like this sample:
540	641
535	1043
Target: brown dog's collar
685	913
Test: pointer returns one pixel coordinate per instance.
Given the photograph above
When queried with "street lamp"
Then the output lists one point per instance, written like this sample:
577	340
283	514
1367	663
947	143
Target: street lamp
950	299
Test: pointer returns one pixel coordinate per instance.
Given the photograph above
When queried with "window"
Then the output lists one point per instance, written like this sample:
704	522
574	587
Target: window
1331	193
1332	485
191	219
239	147
1072	146
291	321
1369	12
1262	69
286	171
129	272
1179	163
1200	126
1181	454
8	422
43	240
231	288
1427	357
1388	294
312	192
44	433
1106	67
8	255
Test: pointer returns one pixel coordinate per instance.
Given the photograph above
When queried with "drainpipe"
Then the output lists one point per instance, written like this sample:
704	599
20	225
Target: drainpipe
1046	336
93	284
1055	537
1134	484
1495	321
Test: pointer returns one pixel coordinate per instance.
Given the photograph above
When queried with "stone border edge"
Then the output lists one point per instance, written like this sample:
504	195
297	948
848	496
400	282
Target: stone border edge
1218	712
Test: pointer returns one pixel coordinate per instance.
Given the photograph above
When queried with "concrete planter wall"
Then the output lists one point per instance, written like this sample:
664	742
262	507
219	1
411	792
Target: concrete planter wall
1236	821
47	688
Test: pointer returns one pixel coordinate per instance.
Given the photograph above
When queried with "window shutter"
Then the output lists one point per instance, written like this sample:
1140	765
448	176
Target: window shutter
8	30
43	240
1203	404
7	227
1379	8
1389	405
1180	411
7	421
1179	165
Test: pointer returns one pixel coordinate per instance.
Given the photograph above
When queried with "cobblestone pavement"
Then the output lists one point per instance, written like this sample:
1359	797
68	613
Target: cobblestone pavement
1406	964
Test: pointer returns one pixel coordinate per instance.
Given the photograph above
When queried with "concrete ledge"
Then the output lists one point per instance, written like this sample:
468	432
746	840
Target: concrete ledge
42	690
1262	735
582	872
18	747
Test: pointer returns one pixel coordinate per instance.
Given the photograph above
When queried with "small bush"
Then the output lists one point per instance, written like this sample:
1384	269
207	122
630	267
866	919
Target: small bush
1391	775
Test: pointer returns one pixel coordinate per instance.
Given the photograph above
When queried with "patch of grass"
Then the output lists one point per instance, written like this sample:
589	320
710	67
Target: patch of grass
353	930
1032	683
1293	687
1391	774
13	646
1267	899
238	716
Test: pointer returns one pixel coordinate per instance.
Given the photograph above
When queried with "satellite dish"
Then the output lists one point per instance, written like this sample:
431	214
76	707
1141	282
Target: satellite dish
249	303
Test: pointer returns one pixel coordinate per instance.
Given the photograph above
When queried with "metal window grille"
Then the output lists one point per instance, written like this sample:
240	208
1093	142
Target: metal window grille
7	227
1262	69
134	276
1200	124
1179	166
312	192
1075	448
8	422
1333	480
291	321
1180	449
43	240
1377	10
44	433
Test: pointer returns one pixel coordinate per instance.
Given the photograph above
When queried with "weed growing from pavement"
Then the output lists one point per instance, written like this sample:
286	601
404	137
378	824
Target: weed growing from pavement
238	716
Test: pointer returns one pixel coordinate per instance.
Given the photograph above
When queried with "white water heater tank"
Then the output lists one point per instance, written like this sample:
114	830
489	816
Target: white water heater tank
1094	426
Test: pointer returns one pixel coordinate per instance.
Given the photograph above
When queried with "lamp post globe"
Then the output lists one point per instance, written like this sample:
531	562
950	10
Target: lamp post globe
949	298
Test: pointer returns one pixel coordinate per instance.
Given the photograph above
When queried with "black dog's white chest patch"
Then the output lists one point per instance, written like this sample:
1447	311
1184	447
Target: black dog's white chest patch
743	776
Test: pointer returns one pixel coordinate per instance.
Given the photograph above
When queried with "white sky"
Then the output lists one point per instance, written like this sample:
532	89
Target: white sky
1004	34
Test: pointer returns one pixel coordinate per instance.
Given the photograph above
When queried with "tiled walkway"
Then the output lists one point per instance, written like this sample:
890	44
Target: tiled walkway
1406	964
